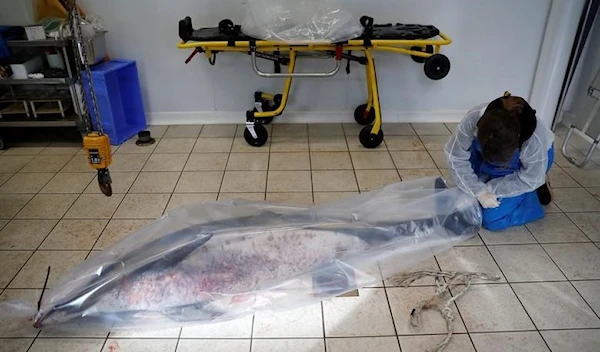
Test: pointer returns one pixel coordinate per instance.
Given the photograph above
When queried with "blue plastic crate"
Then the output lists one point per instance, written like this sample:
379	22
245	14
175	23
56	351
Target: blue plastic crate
119	99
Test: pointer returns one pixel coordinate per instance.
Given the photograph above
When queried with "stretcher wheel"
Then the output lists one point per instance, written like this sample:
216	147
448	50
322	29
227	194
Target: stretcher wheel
418	59
261	134
226	26
437	66
368	139
363	118
2	144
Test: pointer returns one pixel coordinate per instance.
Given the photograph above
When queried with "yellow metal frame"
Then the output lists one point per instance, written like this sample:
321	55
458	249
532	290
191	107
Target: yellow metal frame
265	46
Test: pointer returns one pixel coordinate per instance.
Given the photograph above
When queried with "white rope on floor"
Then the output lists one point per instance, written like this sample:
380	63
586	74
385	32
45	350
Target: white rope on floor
442	299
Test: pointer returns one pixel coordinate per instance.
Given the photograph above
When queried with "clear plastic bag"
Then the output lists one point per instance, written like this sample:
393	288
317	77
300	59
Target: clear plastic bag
215	261
300	21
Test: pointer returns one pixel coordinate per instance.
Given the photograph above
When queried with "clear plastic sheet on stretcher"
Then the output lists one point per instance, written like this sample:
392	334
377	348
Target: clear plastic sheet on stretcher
300	21
215	261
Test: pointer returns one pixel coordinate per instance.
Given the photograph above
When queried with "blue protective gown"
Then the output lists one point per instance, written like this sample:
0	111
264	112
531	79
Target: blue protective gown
513	211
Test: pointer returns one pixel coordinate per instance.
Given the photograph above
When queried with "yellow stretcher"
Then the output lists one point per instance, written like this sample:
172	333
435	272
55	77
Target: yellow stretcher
422	42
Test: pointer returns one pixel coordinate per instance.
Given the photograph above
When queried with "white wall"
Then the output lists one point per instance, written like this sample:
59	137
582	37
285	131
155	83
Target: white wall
496	48
16	12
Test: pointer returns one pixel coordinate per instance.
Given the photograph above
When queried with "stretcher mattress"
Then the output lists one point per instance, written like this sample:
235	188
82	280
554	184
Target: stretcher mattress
377	32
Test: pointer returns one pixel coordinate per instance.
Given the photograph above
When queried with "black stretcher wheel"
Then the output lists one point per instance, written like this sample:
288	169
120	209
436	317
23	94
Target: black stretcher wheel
2	144
226	26
364	119
368	139
437	66
418	59
261	134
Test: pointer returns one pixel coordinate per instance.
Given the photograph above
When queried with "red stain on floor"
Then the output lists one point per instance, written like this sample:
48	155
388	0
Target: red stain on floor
113	347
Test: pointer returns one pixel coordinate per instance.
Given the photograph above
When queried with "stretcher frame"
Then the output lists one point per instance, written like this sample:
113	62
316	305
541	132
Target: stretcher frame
583	125
371	136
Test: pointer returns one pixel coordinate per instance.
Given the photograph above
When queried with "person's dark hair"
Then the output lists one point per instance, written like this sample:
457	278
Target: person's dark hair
499	134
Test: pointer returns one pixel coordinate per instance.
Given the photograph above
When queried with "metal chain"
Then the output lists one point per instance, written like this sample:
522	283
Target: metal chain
83	107
80	53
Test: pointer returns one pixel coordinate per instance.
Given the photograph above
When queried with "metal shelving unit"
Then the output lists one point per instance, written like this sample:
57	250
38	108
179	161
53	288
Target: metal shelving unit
39	81
23	107
42	102
41	121
59	43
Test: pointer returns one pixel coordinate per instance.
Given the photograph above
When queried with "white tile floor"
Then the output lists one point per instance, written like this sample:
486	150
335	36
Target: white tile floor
51	212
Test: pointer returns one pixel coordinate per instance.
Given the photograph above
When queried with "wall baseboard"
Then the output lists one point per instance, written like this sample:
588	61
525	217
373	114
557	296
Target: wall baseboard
238	117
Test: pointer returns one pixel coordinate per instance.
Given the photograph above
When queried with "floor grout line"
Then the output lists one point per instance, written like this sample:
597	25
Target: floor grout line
571	283
178	339
394	163
312	188
164	211
577	226
293	337
38	192
516	296
226	162
323	326
351	161
252	332
387	298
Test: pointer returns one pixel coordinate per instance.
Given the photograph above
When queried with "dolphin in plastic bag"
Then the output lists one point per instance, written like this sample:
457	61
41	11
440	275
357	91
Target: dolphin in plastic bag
215	261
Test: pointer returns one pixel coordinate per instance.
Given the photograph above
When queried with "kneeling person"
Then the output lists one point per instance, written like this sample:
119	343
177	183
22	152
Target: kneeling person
501	155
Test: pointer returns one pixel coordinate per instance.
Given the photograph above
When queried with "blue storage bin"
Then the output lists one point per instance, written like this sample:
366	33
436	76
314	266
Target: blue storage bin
119	99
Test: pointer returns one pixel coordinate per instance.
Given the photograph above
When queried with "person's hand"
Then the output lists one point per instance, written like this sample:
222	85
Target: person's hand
488	200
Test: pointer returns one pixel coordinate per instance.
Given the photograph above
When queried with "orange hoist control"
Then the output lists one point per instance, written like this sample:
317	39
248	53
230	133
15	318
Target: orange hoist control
97	150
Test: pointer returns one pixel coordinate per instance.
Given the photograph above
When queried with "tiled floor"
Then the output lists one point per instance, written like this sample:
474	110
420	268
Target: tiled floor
51	212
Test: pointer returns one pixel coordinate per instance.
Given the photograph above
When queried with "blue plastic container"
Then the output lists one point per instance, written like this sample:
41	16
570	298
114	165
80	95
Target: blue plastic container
119	99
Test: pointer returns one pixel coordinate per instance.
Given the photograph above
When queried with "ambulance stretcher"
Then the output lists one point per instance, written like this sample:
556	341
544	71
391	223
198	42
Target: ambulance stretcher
421	42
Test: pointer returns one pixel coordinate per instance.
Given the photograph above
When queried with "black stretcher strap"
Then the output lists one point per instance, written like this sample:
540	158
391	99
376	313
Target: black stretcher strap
277	63
348	62
185	29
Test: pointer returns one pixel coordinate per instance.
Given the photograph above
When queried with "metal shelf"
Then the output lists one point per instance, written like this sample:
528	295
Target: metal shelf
40	94
41	121
52	108
38	43
13	108
16	99
40	81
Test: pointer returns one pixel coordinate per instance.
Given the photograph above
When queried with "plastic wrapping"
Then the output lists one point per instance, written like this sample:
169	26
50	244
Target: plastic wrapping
216	261
300	21
534	157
